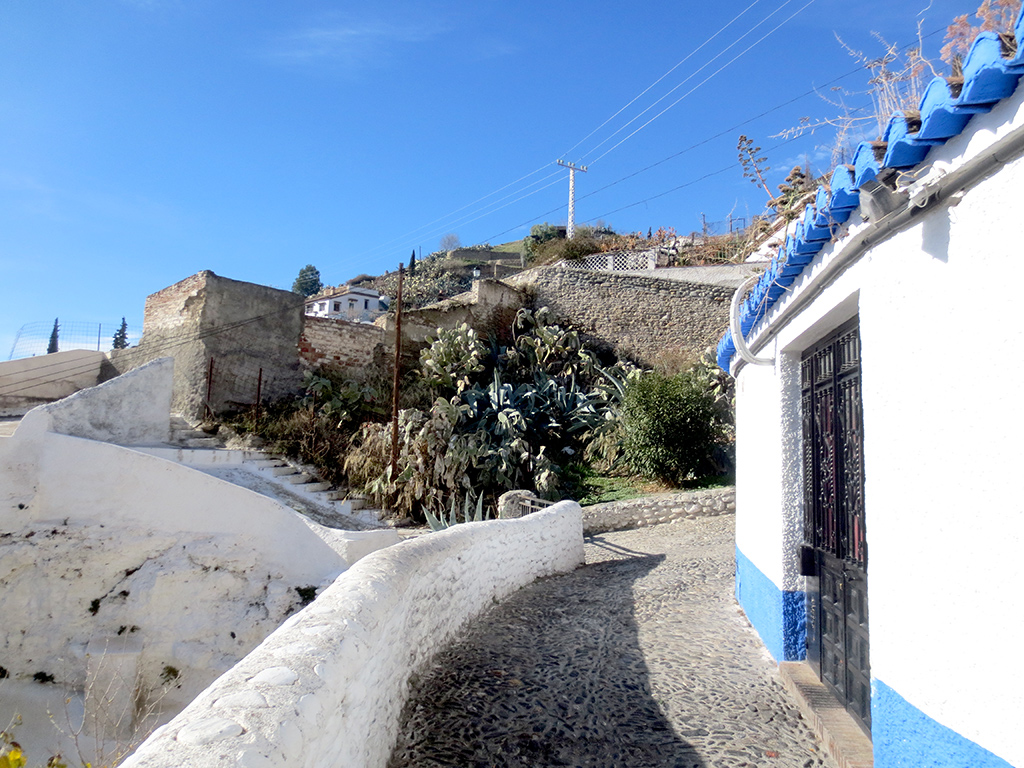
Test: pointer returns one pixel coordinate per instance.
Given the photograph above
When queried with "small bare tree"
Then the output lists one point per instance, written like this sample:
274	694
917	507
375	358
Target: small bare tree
993	15
450	242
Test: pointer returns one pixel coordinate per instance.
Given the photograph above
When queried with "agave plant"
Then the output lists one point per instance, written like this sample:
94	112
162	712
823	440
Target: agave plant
441	522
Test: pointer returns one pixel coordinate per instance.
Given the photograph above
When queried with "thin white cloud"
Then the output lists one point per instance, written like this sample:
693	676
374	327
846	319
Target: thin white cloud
33	197
350	43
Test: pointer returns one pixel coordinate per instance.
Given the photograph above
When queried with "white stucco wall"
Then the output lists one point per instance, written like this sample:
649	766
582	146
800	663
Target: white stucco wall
941	354
199	571
132	408
328	687
99	541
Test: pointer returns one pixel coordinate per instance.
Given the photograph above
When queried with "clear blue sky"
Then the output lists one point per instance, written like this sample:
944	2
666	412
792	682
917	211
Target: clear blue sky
145	140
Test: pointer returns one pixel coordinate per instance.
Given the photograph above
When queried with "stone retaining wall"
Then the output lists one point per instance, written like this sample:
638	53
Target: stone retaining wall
327	688
643	317
659	508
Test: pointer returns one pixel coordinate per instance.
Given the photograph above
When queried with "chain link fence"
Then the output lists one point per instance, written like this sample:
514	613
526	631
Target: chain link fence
34	338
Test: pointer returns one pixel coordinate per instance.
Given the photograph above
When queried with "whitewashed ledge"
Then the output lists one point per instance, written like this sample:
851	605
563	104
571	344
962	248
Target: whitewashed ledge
327	687
659	508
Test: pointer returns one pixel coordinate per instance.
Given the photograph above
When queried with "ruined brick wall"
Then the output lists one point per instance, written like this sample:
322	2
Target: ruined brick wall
176	307
349	346
642	317
251	332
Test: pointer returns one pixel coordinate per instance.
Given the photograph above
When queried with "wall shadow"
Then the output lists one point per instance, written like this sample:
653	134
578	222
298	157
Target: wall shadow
553	676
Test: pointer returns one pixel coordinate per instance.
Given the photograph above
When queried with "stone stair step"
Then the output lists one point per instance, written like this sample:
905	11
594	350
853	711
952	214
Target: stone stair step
265	463
299	478
283	470
317	487
200	442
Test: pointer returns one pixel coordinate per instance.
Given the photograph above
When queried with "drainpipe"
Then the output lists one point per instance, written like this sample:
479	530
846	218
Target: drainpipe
734	325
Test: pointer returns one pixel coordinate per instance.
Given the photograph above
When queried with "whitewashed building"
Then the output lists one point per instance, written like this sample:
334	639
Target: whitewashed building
349	303
880	516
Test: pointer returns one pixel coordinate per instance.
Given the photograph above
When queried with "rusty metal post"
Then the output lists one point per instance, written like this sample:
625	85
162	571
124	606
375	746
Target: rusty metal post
398	367
209	388
259	391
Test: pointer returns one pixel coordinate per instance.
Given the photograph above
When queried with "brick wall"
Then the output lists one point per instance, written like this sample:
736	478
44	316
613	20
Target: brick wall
643	317
250	331
348	346
176	307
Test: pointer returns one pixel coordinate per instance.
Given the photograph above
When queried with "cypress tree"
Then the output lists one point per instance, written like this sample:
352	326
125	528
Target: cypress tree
412	263
121	336
54	334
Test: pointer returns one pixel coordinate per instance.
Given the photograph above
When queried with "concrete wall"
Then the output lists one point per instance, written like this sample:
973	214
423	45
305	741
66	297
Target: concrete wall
945	521
131	409
328	687
32	381
643	317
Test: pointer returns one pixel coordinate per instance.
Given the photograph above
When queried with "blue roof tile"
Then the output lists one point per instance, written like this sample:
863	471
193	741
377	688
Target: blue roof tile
903	150
867	162
986	78
991	71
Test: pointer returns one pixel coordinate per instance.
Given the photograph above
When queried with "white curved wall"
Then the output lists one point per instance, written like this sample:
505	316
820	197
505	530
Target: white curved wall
328	687
102	542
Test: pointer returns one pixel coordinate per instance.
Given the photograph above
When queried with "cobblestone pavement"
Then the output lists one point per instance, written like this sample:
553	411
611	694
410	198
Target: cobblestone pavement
639	659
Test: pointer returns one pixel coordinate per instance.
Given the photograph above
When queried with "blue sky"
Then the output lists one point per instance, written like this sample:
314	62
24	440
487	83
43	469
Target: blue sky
145	140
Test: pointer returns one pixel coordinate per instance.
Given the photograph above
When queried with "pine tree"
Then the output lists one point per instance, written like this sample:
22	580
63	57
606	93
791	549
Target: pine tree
412	263
121	336
308	281
54	334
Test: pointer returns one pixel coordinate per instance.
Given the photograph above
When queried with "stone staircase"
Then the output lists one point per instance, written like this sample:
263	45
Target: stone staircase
297	483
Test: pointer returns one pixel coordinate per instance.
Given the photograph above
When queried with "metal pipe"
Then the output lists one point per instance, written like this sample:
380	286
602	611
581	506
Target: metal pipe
737	332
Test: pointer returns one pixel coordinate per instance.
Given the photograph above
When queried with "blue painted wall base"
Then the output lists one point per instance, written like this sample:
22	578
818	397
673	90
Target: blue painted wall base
779	616
904	736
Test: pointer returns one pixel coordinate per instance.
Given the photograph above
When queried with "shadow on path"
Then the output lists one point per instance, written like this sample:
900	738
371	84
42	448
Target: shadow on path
554	676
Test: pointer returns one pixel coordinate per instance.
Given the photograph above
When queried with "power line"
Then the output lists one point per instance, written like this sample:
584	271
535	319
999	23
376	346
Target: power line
702	82
483	211
669	72
730	167
689	77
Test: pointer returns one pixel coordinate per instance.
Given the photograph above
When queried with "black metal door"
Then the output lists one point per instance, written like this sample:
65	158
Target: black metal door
834	530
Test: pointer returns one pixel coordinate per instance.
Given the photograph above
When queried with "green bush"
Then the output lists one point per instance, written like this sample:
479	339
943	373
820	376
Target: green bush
672	426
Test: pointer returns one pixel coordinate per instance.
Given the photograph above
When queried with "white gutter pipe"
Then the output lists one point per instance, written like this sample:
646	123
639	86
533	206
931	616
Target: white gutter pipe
734	325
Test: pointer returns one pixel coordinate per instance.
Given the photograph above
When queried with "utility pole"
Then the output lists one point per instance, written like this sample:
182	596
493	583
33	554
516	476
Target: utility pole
398	365
570	230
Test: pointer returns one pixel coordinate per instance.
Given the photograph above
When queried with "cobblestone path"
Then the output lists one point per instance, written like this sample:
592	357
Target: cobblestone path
640	659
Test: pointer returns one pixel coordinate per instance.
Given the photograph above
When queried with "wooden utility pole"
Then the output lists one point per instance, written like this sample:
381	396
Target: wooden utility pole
398	368
570	229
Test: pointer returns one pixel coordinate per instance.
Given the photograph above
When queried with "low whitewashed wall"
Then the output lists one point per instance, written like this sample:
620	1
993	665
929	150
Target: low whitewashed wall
109	542
31	381
328	687
658	508
100	542
132	408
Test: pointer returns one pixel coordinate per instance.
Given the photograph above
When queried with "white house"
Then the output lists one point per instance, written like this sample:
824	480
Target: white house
349	303
880	521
